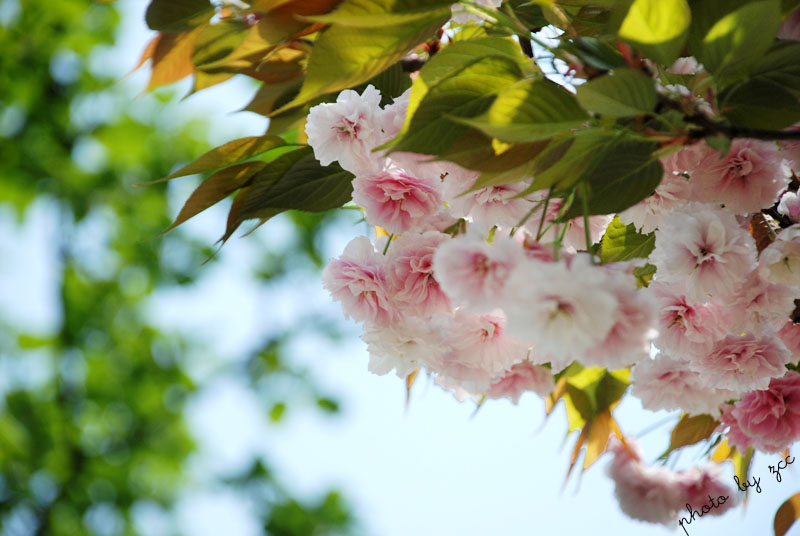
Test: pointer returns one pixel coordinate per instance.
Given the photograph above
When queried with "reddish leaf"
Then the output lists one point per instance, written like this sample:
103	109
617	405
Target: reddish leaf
172	58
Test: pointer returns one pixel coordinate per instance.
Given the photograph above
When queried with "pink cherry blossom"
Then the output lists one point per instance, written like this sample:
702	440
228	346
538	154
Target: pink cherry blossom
790	336
789	206
759	304
488	206
686	328
396	201
404	346
669	383
769	419
522	377
358	280
686	65
347	130
779	262
699	487
409	268
629	339
562	310
704	247
646	493
473	272
743	362
394	116
747	179
479	350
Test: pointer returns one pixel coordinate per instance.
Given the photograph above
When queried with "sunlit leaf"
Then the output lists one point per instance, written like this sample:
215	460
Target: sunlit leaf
378	13
598	437
530	110
723	37
623	243
691	429
467	93
344	56
172	58
658	27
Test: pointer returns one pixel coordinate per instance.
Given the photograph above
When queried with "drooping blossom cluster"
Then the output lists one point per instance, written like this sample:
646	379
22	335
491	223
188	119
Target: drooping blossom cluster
491	291
656	494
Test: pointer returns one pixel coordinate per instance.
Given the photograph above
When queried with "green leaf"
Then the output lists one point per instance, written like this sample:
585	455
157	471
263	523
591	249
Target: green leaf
760	103
391	83
171	16
728	36
781	65
327	404
276	411
518	161
644	274
379	13
594	53
216	188
563	162
296	180
786	515
691	430
720	143
344	56
468	93
456	57
623	243
657	27
622	93
626	174
530	110
229	153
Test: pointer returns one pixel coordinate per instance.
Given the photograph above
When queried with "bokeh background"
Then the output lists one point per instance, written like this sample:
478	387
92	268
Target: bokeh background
146	391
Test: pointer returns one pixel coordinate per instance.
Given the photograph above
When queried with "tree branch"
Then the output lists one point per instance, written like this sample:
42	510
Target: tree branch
709	128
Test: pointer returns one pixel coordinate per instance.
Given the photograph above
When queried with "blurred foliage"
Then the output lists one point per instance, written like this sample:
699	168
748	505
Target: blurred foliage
103	433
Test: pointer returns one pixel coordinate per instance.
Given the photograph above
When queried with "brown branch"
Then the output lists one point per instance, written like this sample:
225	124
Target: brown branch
709	128
526	46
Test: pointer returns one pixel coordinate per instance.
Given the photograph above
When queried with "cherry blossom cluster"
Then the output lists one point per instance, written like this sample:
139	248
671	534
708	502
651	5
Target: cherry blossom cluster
490	290
656	494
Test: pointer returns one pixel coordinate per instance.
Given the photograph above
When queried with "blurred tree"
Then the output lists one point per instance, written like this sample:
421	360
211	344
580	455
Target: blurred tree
105	431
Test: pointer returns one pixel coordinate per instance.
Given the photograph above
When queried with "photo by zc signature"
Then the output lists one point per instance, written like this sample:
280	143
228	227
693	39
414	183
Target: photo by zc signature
716	503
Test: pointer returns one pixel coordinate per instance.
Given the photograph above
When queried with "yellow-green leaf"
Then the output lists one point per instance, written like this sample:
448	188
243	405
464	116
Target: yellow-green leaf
530	110
658	27
377	13
691	430
345	56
